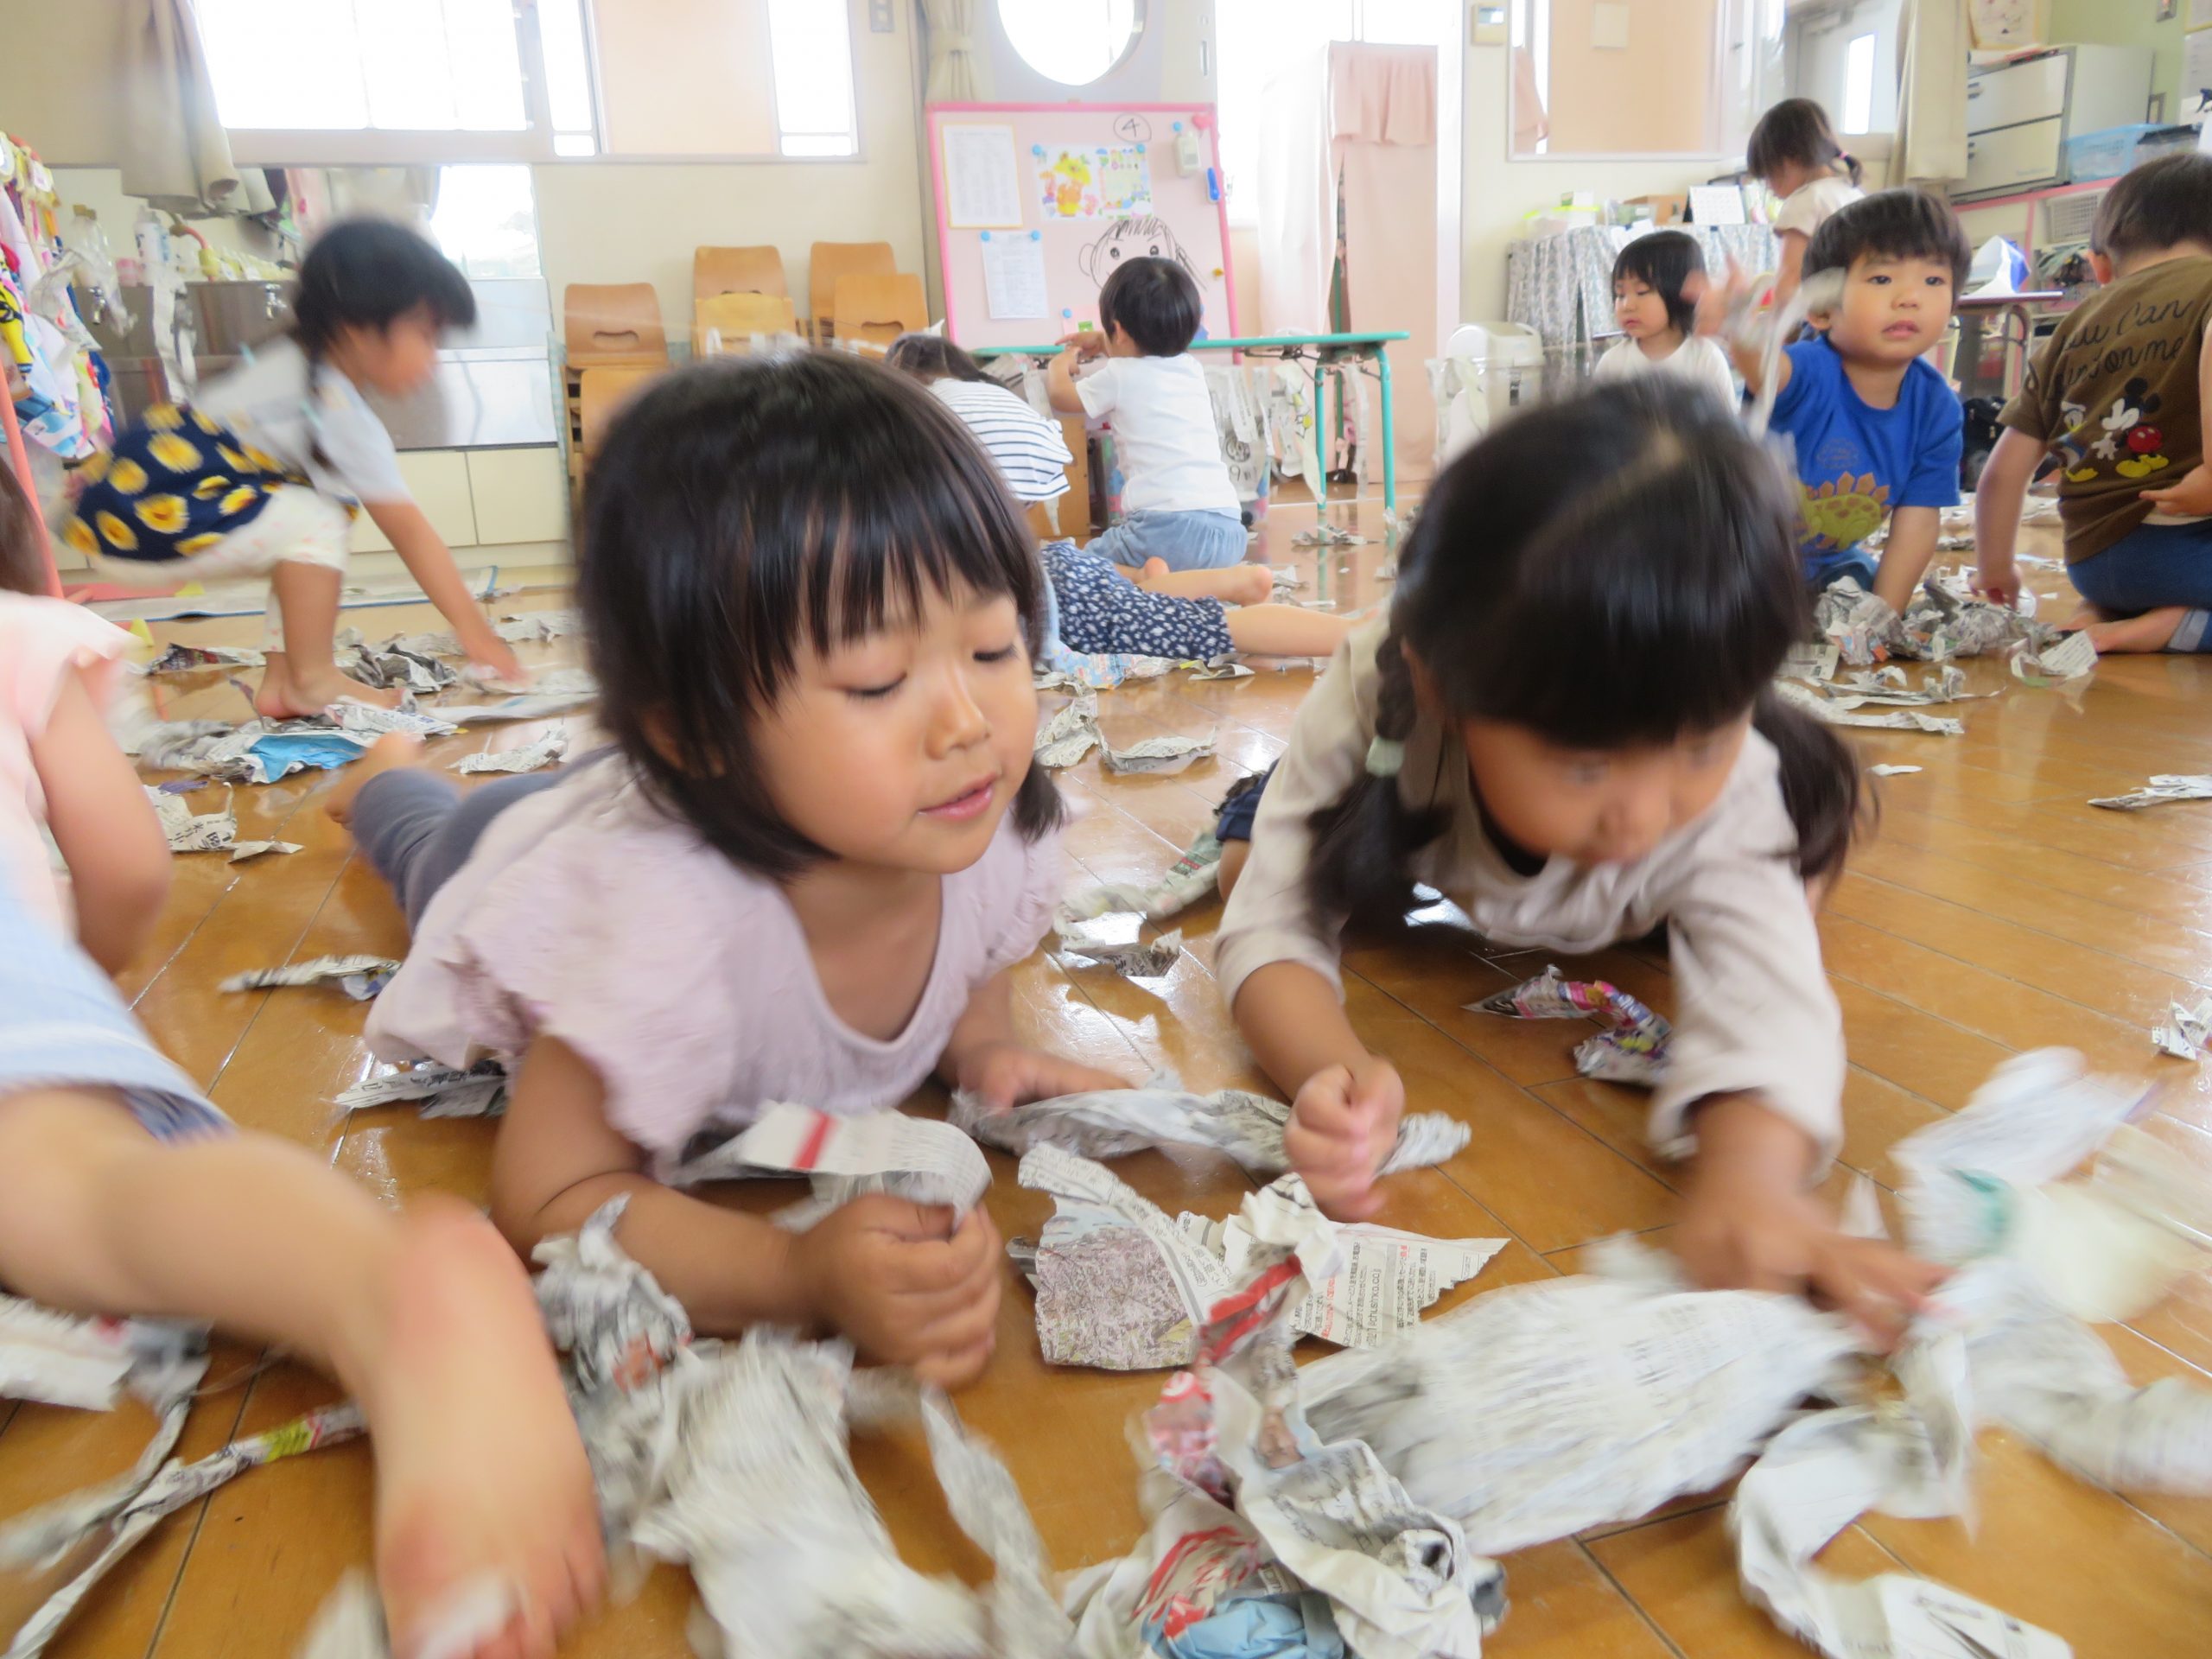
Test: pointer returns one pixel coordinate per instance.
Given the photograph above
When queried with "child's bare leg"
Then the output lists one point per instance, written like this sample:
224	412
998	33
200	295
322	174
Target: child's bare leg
1233	584
1233	855
1286	631
304	678
427	1319
2152	630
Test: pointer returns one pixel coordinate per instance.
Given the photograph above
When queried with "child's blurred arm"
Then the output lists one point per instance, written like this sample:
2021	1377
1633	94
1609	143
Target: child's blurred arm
430	560
1059	382
984	1056
1345	1103
897	1279
1998	495
1789	268
118	859
1725	311
1907	555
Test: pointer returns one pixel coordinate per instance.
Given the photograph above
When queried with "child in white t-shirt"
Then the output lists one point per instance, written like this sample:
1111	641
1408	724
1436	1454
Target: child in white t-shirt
1178	504
1659	318
1796	152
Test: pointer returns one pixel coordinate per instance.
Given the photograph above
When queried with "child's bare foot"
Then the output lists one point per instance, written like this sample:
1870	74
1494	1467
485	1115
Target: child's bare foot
1149	577
2149	632
481	1481
287	696
390	753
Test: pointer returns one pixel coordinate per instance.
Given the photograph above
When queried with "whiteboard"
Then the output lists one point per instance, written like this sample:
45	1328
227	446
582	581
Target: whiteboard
1094	183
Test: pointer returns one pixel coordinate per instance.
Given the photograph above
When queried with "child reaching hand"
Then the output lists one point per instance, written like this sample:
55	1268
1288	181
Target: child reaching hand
1655	284
803	872
123	1192
262	473
1565	727
1178	504
1795	151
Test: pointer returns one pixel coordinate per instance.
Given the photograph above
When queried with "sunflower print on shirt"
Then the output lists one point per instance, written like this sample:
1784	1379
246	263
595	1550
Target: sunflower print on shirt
176	484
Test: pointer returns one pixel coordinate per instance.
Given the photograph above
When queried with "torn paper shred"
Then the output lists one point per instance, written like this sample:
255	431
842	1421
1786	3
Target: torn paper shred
190	832
916	1158
360	977
1221	668
1071	734
246	849
2164	788
69	1359
480	1091
1136	959
1190	878
1632	1047
1845	711
1169	752
1892	771
529	758
2073	656
191	659
350	1622
538	627
2187	1034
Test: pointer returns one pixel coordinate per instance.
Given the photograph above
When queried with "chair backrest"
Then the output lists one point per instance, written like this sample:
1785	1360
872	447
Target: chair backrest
732	319
613	323
601	395
827	261
878	309
736	271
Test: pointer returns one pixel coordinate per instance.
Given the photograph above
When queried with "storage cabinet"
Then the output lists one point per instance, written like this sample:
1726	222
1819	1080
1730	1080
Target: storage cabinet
520	495
2021	112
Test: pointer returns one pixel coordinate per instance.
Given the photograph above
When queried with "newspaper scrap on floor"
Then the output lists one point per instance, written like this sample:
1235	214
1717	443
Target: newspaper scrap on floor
1267	1534
1113	1123
1219	668
734	1458
918	1157
1123	1288
187	831
2164	788
1812	661
1888	687
480	1091
1189	879
1632	1047
1136	959
153	741
1071	734
350	1622
360	977
1845	711
529	756
1322	535
1886	770
243	851
114	1518
1170	751
263	751
538	627
1286	581
2186	1032
555	691
86	1363
192	659
1859	625
398	662
1067	670
2042	664
1947	620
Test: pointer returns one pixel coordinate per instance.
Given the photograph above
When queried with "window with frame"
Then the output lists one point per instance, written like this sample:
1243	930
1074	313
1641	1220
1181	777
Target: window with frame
445	81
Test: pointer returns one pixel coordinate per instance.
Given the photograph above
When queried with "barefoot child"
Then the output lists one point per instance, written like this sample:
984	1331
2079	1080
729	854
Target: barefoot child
123	1191
1655	283
261	474
803	873
1565	727
2119	393
1097	606
1796	151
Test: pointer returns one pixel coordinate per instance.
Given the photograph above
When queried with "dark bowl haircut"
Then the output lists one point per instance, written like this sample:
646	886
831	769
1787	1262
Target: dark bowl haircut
1903	224
1647	592
368	273
1156	302
744	509
2160	205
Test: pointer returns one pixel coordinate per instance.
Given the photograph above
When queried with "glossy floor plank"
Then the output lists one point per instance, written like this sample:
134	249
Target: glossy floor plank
1995	911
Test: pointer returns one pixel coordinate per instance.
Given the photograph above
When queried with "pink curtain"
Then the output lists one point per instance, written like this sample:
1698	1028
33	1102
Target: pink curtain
1383	147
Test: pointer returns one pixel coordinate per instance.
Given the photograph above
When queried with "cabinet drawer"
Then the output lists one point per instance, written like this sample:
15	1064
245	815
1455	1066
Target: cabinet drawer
2017	158
438	479
2014	92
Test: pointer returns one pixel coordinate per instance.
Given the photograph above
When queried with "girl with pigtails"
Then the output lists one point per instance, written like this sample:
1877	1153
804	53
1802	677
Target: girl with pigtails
1565	725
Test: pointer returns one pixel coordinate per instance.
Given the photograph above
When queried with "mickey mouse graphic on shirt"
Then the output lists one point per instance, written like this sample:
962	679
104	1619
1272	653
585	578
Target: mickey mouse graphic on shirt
2125	427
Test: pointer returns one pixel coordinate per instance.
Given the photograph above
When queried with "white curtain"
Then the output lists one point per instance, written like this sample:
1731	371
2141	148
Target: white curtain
175	152
1296	184
952	50
1931	145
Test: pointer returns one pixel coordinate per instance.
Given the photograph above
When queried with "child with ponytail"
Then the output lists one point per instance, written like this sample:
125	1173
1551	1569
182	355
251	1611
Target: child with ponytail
1794	149
1565	725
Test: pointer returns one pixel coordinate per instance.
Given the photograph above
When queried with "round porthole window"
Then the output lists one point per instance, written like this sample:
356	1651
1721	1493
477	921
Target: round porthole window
1072	41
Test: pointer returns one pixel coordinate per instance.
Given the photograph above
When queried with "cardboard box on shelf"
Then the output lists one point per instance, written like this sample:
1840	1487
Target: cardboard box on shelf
1664	209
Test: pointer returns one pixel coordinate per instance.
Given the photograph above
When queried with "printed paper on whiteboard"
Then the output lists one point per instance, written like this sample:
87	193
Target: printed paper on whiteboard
983	190
1014	275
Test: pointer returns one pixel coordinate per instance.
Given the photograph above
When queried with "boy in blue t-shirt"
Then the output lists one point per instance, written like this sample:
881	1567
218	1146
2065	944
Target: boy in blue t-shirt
1876	429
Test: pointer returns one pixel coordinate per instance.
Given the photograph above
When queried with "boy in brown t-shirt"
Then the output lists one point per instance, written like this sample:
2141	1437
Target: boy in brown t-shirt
2119	394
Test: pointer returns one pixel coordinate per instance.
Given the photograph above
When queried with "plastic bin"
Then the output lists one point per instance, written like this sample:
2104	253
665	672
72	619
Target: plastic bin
2105	154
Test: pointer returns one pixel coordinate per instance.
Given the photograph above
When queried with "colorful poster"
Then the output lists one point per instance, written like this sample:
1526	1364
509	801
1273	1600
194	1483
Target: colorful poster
1092	181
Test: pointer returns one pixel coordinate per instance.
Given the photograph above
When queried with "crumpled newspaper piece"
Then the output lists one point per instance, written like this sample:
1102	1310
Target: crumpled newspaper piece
1248	1127
538	627
480	1091
192	659
1888	686
1322	535
1845	711
2187	1035
360	977
529	758
1066	670
1220	668
1250	1503
167	744
1812	661
2165	787
1859	625
1189	879
1135	959
1532	1411
2072	656
1123	1288
1071	734
552	691
1170	751
241	851
401	661
68	1359
1631	1049
263	751
917	1158
187	831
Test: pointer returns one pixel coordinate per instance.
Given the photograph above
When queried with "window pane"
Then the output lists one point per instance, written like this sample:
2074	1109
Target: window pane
1406	22
419	64
567	73
403	60
813	55
1072	41
487	66
486	221
284	63
1858	85
684	77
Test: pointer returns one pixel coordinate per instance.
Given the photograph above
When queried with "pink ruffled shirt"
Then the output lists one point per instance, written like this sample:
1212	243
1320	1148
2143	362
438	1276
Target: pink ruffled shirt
589	914
42	641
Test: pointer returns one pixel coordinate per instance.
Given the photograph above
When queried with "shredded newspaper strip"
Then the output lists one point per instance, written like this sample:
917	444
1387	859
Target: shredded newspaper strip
1071	734
360	977
1260	1524
480	1091
1892	771
1632	1047
1189	879
1168	753
2073	656
1220	668
263	751
538	627
241	851
1845	711
2164	788
193	660
1248	1127
529	756
918	1158
2186	1032
187	831
1132	959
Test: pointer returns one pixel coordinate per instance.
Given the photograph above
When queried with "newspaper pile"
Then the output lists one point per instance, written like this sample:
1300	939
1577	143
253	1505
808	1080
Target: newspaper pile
1632	1047
413	663
1121	1286
529	756
1113	1123
1266	1534
263	751
187	831
359	977
2165	787
1132	959
1188	880
1944	621
917	1158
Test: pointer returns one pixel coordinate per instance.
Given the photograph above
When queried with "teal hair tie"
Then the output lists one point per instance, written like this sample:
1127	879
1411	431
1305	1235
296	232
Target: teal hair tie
1386	756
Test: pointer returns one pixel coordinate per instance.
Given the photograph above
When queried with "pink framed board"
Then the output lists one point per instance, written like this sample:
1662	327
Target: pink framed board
1037	202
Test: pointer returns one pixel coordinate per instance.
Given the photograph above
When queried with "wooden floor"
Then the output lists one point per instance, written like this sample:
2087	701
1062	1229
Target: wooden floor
1996	912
